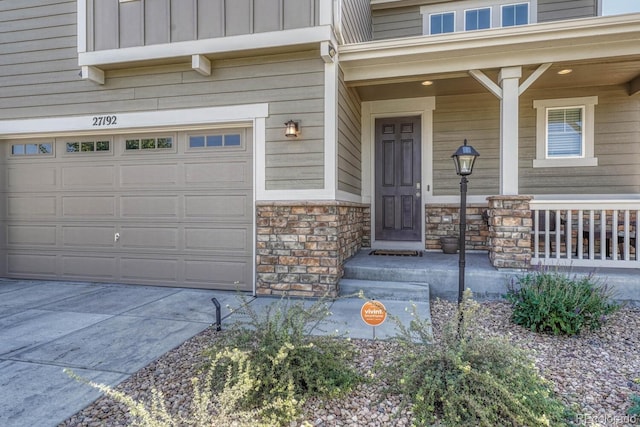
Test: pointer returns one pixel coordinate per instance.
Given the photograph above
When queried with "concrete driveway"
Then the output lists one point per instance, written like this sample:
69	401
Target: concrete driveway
107	332
104	332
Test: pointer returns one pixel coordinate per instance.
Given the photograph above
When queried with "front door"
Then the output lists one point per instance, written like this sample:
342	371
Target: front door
398	177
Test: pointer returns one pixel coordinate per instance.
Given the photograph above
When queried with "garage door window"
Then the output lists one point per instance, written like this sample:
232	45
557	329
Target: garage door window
161	143
88	146
213	141
45	148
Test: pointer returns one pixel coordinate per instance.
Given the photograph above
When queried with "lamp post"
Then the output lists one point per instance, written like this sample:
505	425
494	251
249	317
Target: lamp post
464	158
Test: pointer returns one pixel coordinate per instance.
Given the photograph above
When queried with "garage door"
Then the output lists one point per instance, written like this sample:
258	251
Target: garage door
168	208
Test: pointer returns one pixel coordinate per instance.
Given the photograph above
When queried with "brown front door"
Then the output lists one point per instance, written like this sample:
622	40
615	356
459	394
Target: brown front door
398	178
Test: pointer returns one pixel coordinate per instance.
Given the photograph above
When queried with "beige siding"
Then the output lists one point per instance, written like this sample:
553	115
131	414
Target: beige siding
356	21
477	118
349	153
39	78
617	146
399	22
116	25
556	10
474	117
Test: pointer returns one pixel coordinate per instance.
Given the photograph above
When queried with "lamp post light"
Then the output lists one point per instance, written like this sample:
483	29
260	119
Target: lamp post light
464	158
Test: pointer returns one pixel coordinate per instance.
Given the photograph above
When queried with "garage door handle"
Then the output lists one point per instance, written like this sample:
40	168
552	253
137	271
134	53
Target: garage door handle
116	237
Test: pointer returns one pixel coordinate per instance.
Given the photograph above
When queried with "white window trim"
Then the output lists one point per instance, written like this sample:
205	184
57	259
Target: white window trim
464	25
428	22
588	132
502	6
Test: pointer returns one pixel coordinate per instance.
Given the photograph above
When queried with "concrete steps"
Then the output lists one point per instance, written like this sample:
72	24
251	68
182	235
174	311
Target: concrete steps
385	290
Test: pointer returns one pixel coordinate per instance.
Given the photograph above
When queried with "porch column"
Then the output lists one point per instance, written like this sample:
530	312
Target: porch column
509	79
510	232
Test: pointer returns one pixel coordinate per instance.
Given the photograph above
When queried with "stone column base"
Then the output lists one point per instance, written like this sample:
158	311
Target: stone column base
510	232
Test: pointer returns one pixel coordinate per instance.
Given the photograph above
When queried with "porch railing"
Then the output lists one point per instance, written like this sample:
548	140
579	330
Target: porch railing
585	233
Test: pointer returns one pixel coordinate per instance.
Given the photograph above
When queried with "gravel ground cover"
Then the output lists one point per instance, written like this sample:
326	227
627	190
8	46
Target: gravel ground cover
593	373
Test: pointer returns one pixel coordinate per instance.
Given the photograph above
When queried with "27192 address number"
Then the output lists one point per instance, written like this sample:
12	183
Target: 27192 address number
105	120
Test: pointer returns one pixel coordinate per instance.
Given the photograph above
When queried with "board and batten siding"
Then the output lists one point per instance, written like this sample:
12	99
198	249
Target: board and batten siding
112	24
39	78
356	21
349	136
396	23
557	10
476	117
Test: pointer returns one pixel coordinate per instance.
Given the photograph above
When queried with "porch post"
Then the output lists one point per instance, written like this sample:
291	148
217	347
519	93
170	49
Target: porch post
509	79
510	232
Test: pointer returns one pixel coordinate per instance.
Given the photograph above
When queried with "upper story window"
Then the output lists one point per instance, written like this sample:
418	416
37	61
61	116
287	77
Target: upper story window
565	132
440	23
471	15
515	14
477	19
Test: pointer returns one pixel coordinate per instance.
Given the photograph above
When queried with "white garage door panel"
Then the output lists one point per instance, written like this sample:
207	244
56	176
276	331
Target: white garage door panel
146	175
149	238
140	269
141	206
176	217
31	178
21	235
88	177
89	206
88	267
90	236
31	265
36	206
217	174
223	207
218	239
223	274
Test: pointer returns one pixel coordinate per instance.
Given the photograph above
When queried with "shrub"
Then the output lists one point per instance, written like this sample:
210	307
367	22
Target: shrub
290	365
465	379
207	409
554	302
634	410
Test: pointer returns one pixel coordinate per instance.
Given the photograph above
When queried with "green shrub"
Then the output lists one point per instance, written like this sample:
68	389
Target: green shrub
554	302
634	410
207	409
465	379
290	365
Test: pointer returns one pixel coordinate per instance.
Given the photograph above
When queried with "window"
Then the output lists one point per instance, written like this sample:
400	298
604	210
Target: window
88	146
440	23
515	14
208	141
565	132
149	143
477	19
32	149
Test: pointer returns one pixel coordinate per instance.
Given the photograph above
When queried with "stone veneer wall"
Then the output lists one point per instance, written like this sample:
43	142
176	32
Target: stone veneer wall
477	234
301	246
510	231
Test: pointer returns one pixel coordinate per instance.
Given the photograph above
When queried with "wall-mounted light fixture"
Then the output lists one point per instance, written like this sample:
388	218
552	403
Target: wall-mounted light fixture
292	129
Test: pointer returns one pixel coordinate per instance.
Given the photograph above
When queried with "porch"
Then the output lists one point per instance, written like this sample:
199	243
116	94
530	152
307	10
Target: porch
407	277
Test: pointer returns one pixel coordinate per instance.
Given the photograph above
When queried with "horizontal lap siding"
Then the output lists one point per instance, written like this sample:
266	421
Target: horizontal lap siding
394	23
617	146
356	21
474	117
556	10
477	118
39	78
349	153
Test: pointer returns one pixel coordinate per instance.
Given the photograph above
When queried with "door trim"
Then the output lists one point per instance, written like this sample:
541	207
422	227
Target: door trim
371	110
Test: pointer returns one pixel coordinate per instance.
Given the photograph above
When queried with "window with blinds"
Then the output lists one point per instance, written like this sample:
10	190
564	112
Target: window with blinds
565	132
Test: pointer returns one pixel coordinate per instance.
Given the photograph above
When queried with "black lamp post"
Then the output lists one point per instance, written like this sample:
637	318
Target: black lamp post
464	158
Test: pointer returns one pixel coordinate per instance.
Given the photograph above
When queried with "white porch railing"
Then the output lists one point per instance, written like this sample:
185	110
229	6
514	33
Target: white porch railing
585	233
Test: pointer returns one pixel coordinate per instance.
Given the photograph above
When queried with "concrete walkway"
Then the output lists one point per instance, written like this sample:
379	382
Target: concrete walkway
106	332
